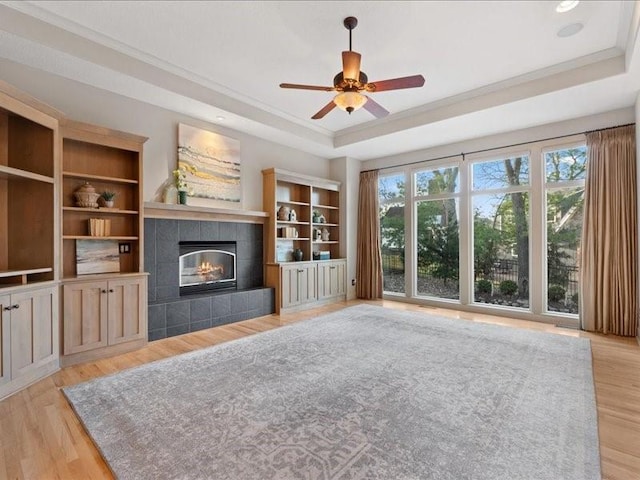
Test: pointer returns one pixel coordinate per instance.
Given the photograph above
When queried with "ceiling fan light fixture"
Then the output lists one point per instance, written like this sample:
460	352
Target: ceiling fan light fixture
350	101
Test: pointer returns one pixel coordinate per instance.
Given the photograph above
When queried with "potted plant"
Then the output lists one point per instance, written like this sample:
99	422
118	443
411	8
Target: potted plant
181	184
107	198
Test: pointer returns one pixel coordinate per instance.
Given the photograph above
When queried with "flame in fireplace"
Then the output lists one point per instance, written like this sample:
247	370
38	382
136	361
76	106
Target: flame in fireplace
209	271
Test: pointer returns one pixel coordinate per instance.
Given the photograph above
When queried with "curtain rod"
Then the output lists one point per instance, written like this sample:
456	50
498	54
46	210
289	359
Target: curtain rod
462	154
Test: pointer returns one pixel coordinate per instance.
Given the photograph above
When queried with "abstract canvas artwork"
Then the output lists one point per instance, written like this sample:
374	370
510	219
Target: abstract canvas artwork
211	163
97	256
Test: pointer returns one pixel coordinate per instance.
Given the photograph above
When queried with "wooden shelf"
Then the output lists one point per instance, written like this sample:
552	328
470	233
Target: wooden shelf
327	207
6	171
22	274
289	222
89	237
293	239
103	211
292	202
325	224
102	178
190	212
328	242
29	271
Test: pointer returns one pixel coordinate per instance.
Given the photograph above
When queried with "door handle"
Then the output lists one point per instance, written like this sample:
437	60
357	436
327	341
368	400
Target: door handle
15	307
300	271
332	268
6	309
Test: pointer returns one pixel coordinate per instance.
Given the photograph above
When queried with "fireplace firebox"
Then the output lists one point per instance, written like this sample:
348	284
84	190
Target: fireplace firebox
207	265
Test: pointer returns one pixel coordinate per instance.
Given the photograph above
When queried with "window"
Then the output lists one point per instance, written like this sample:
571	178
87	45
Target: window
500	206
565	171
391	192
500	231
437	232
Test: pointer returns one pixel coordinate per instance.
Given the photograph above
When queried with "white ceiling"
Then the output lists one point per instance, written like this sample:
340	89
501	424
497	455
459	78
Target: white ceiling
489	66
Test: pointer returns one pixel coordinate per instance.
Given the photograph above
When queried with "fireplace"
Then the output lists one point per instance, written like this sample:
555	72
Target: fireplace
206	266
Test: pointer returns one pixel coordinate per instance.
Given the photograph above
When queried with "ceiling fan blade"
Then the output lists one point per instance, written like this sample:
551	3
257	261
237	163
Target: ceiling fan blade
395	84
306	87
351	65
375	108
326	109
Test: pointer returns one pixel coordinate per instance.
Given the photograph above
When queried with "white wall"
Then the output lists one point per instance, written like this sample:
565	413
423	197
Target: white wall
347	171
87	104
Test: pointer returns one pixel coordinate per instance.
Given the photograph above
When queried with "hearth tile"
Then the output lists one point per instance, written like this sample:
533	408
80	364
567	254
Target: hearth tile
268	300
195	326
239	302
157	334
167	274
209	231
178	313
178	330
200	309
220	305
167	292
189	230
167	251
228	231
167	230
157	316
255	299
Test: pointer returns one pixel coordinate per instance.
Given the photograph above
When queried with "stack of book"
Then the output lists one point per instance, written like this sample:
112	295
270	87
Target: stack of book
288	232
99	227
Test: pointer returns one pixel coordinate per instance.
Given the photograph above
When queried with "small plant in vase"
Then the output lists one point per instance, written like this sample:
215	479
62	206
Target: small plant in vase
107	198
180	176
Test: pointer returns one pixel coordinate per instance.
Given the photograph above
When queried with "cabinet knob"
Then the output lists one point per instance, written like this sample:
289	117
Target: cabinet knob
300	271
111	290
103	291
6	309
15	307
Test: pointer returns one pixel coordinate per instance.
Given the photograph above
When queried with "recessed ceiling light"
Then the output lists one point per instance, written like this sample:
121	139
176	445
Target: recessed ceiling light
220	117
567	5
570	29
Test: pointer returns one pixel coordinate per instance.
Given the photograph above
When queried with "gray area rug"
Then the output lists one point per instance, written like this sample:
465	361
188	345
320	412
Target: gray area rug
363	393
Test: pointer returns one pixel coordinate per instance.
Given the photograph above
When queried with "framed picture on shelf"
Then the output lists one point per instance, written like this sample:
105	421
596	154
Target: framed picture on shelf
211	165
97	256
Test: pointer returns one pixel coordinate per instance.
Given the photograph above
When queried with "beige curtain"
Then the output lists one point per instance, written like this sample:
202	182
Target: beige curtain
369	258
608	278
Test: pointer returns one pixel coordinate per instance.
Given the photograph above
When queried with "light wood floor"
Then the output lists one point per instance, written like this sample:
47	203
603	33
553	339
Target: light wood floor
41	438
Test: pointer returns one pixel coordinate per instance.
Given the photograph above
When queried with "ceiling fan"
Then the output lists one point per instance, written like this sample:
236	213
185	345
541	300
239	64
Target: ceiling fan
352	81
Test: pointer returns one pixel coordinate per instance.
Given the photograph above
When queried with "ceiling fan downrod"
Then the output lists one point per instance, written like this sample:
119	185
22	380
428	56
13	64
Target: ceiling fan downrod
350	23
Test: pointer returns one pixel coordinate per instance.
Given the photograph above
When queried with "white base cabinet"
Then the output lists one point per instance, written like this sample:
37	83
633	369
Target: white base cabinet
305	284
29	337
103	317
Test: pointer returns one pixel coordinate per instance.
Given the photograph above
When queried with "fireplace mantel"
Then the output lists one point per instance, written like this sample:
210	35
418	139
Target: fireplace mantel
189	212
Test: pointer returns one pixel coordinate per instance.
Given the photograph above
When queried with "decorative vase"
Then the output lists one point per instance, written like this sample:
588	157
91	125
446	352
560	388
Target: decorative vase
86	196
182	197
293	216
298	255
108	203
171	194
316	215
283	212
325	235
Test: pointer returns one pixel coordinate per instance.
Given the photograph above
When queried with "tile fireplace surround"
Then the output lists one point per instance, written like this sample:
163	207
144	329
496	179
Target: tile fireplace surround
171	314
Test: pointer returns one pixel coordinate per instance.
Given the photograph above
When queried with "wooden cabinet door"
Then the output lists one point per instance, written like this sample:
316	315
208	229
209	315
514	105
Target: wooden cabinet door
34	330
331	279
5	364
290	295
85	316
127	310
307	283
